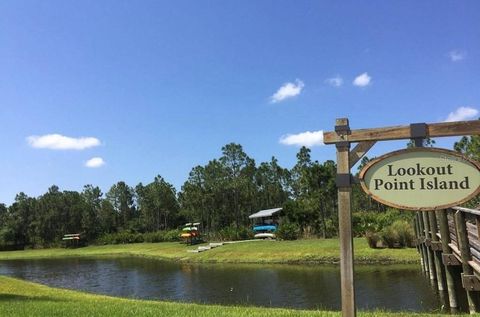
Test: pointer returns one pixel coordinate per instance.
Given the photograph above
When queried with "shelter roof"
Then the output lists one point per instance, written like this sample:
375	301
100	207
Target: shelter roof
265	213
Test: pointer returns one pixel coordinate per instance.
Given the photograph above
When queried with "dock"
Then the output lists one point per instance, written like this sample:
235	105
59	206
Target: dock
214	245
448	242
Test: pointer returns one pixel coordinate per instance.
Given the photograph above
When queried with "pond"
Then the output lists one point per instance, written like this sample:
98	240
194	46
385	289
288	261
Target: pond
398	287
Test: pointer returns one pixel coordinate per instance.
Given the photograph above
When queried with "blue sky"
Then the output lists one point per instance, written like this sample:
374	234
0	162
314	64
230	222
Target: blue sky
158	87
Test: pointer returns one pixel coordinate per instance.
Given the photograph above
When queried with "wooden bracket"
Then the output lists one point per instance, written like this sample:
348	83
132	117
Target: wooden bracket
342	144
420	241
344	180
359	151
418	130
436	245
428	242
342	129
470	282
449	259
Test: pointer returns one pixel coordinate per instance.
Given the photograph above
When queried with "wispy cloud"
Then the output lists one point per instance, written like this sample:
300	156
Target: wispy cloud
95	162
457	55
61	142
336	81
462	113
288	90
308	139
362	80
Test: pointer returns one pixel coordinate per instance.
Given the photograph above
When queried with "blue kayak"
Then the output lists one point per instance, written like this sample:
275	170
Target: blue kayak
265	228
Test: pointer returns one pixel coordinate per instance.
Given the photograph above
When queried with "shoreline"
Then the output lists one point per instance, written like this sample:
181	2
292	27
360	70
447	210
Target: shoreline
298	252
24	298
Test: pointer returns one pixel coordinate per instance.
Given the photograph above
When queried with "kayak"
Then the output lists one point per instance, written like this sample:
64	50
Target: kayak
190	229
265	228
264	235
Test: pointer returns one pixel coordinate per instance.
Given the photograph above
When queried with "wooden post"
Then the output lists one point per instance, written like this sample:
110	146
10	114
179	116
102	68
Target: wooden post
449	271
431	266
417	236
422	244
464	247
437	257
342	137
345	220
477	224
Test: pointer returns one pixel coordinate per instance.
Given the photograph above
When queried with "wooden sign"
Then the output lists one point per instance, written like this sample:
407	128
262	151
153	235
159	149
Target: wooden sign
421	179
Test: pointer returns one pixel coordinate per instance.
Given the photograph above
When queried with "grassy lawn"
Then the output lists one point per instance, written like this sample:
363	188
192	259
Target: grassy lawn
301	251
20	298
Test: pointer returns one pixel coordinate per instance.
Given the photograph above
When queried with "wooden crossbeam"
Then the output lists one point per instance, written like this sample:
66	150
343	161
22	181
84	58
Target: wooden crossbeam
360	150
443	129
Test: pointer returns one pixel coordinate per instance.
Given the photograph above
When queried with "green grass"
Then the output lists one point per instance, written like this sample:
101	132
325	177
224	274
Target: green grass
300	251
20	298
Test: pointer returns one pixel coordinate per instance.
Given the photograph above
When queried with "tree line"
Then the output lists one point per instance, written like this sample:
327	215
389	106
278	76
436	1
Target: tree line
220	194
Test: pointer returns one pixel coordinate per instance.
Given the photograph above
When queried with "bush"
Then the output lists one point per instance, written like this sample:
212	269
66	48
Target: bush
331	228
389	237
227	233
231	233
172	236
156	236
364	221
288	231
124	237
405	232
372	239
398	234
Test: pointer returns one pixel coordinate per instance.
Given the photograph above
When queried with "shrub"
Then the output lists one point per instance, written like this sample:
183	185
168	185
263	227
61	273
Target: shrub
288	231
231	233
372	239
228	233
398	234
405	232
331	228
389	237
156	236
245	233
364	221
123	237
171	236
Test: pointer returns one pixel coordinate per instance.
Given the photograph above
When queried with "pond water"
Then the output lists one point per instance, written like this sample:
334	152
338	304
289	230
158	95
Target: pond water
398	287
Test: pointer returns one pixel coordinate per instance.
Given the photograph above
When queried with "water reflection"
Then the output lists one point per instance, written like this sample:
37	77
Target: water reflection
399	287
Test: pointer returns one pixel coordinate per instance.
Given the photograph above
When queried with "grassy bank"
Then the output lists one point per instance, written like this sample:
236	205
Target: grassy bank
20	298
300	251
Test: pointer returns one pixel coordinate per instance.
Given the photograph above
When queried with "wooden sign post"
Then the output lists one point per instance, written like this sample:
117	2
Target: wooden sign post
342	137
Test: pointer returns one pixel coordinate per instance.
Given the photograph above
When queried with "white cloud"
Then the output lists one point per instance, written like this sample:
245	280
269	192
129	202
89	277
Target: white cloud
336	81
462	113
362	80
457	55
307	139
61	142
288	90
95	162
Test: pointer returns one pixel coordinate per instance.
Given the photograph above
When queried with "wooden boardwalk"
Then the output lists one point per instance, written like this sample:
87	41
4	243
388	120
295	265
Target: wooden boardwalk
449	244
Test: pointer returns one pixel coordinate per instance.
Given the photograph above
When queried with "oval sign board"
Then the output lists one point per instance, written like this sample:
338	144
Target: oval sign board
421	179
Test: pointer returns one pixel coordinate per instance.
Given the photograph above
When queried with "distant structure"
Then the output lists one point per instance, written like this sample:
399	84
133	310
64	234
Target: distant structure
72	240
191	233
266	223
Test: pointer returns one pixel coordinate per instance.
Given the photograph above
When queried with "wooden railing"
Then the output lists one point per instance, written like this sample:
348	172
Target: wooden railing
449	244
